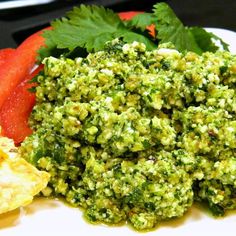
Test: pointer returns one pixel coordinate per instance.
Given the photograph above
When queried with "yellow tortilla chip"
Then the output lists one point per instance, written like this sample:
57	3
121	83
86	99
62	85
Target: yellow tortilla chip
19	180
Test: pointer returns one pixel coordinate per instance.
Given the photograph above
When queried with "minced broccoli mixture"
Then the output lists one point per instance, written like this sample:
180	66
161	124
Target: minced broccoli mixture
135	135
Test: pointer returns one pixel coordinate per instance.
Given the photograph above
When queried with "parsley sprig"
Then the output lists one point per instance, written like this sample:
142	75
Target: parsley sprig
88	28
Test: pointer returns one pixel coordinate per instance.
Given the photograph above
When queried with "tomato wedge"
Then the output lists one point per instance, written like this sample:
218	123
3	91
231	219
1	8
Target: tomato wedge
127	15
16	110
5	54
19	65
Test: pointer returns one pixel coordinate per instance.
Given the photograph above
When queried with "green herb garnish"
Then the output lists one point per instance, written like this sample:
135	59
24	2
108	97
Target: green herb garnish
90	27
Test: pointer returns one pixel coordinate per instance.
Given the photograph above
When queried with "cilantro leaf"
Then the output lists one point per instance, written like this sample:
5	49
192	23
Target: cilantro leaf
141	21
88	27
170	29
205	39
50	48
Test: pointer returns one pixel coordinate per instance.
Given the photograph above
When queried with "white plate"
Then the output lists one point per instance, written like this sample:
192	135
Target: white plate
50	217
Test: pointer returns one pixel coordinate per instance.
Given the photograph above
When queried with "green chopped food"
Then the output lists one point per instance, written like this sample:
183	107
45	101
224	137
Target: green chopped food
135	135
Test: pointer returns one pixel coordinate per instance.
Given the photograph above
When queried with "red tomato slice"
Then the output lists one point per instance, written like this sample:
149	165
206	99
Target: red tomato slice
19	65
5	54
16	110
127	15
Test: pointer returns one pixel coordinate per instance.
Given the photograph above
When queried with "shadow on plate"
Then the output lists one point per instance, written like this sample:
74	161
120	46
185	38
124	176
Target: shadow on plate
195	213
12	218
40	204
